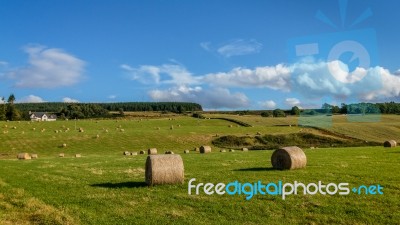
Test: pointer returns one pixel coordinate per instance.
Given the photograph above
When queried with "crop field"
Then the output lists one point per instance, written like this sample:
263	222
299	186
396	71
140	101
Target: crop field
106	187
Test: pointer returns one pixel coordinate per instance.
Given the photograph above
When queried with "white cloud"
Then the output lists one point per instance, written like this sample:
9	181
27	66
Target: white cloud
292	102
240	47
3	64
70	100
213	98
48	68
31	99
316	80
112	96
274	77
167	74
206	46
268	104
390	87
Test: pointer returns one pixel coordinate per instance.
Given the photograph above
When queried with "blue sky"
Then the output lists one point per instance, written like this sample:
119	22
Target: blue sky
221	54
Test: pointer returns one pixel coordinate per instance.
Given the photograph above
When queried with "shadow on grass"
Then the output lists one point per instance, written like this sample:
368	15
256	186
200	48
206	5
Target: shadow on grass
120	185
255	169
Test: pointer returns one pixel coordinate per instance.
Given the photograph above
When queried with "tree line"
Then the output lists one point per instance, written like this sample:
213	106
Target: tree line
10	110
355	108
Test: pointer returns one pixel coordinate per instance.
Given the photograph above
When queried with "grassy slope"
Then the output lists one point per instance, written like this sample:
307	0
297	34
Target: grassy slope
105	187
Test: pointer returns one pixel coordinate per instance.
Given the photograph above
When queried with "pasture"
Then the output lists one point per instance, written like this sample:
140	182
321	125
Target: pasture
106	187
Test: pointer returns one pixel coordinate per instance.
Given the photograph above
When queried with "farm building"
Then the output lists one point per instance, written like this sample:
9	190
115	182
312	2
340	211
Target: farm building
42	116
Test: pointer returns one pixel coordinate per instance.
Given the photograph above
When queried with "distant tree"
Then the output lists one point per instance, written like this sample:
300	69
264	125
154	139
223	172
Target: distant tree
266	114
343	108
279	113
2	109
12	113
11	99
295	111
327	108
335	109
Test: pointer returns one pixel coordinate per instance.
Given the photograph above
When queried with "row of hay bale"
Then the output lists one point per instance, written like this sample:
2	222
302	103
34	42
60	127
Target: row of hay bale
62	155
27	156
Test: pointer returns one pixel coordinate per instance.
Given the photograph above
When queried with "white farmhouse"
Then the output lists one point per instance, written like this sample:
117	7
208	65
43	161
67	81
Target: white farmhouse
42	116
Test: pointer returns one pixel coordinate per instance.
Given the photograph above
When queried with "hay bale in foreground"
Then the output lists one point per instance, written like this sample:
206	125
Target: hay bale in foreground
78	155
152	151
186	151
23	156
34	156
288	158
205	149
390	144
245	149
164	169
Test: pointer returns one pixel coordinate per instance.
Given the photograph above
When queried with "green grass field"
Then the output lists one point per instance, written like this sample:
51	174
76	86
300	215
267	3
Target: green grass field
105	187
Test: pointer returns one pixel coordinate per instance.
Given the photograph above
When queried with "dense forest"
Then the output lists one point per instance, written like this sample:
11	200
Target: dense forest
178	107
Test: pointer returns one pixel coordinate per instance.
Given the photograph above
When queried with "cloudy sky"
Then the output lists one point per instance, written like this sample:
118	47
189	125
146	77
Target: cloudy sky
222	54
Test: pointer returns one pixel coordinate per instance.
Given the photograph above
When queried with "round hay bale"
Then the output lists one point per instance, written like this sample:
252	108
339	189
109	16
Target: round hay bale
172	127
288	158
97	136
23	156
61	155
196	149
142	152
222	150
64	145
245	149
390	144
78	155
231	150
164	169
169	152
205	149
126	153
34	156
152	151
133	153
186	151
